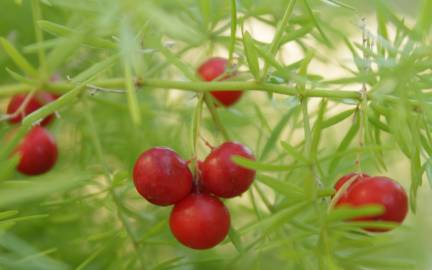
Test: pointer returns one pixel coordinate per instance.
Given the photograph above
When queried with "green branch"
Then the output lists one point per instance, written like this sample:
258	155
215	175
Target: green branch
279	33
196	86
216	119
37	16
233	30
108	174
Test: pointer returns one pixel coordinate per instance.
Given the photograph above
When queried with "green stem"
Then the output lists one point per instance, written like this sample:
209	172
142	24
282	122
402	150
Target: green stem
37	16
197	122
247	86
12	89
264	198
279	32
134	108
196	126
310	155
281	27
176	61
158	68
216	119
307	129
107	171
363	94
232	86
233	30
8	90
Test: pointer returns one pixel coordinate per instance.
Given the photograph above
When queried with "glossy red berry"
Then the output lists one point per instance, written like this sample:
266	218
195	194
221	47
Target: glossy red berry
34	103
38	151
162	177
200	221
221	176
377	190
348	177
213	69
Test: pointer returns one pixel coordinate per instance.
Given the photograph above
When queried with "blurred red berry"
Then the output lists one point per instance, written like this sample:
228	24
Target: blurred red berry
213	69
38	151
37	101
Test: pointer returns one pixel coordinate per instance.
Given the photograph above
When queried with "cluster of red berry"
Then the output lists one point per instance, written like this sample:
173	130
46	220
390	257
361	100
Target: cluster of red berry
362	190
38	149
199	220
358	190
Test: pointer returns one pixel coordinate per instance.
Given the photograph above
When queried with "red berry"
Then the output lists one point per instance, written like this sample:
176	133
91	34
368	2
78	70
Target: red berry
55	96
347	177
38	152
36	102
227	98
221	176
200	221
377	190
162	177
213	69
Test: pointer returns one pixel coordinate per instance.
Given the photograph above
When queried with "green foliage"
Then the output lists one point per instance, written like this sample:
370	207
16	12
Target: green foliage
128	84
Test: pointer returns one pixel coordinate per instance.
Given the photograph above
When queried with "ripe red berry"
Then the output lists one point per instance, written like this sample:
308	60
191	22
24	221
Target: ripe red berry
213	69
38	151
55	96
34	103
377	190
348	177
200	221
162	177
221	176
